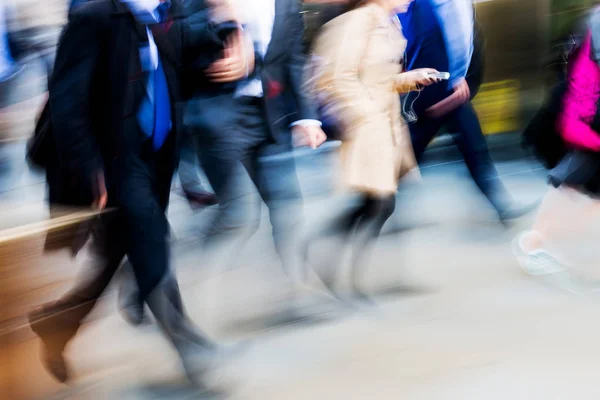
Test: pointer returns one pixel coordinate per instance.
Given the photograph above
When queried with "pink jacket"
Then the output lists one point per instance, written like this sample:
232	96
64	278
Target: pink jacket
580	101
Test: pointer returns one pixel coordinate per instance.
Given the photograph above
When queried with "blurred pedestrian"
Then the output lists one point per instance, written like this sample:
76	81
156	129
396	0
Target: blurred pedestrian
236	122
114	118
7	63
36	27
572	203
358	76
440	34
189	174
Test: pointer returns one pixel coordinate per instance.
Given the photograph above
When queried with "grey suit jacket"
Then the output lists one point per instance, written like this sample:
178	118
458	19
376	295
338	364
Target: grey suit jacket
282	75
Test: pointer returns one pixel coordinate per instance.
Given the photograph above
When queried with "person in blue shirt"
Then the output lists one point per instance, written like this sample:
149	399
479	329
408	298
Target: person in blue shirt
440	35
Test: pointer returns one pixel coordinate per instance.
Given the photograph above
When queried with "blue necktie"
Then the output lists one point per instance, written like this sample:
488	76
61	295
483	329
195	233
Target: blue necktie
162	108
154	115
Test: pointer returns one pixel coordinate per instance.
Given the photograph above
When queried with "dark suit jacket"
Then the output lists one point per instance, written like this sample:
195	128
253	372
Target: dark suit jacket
98	85
282	74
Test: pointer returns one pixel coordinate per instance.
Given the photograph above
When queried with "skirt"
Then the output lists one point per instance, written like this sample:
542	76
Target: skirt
580	170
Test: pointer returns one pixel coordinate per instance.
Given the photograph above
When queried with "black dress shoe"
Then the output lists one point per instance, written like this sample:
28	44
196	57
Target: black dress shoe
52	327
130	307
133	313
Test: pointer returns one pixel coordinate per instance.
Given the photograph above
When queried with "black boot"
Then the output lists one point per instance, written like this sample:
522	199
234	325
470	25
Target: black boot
56	323
131	305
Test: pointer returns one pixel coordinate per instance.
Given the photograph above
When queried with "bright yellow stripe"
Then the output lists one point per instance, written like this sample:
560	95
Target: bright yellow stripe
497	105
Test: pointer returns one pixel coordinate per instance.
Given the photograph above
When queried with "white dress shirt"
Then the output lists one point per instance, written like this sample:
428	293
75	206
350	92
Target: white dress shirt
258	24
145	13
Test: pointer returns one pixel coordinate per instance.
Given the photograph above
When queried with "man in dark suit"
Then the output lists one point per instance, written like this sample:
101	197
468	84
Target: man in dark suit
237	121
115	108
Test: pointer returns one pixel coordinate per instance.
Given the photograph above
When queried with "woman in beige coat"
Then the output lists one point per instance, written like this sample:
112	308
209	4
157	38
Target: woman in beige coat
357	76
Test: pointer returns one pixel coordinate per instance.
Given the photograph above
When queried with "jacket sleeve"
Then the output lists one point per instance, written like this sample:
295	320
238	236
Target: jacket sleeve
580	102
306	109
203	37
76	60
456	22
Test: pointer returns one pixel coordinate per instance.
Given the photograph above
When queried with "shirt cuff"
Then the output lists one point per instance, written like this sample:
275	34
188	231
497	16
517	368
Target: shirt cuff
306	122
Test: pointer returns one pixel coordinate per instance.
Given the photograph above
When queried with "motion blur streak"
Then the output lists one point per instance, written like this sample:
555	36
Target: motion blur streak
309	274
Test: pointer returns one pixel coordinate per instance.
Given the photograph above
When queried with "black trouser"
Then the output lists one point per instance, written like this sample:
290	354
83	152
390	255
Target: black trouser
464	124
189	165
360	224
138	229
233	136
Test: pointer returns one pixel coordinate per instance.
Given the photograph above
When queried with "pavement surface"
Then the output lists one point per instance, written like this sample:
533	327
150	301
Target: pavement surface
456	318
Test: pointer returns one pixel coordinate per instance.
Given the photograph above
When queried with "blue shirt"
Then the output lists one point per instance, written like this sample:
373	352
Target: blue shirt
439	35
447	22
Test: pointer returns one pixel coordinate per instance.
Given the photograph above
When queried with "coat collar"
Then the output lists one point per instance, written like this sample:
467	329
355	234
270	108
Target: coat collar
278	29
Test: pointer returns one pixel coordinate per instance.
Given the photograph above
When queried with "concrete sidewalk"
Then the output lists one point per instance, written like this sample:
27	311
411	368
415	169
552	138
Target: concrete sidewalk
457	319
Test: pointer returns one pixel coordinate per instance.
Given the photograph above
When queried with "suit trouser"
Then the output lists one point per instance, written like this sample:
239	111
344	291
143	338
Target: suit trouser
463	122
233	147
189	165
138	229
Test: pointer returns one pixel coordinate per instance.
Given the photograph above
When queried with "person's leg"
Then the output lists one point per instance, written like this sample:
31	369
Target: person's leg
555	214
143	203
188	164
189	173
56	323
223	155
422	133
377	210
564	215
278	186
272	168
469	138
334	233
562	212
130	304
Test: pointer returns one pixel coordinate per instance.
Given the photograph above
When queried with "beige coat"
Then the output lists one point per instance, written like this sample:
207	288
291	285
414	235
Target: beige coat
356	74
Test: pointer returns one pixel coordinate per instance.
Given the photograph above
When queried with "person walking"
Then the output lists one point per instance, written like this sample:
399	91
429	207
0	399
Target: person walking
189	174
440	34
357	75
237	121
572	202
113	101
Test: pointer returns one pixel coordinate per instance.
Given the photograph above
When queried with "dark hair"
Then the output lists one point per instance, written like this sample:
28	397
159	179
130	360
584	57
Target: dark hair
353	4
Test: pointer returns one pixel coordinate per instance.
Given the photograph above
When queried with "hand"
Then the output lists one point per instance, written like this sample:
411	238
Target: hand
99	191
418	77
462	91
308	135
237	61
461	95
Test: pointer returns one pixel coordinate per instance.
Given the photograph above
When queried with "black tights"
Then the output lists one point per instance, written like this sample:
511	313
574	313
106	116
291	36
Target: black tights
362	225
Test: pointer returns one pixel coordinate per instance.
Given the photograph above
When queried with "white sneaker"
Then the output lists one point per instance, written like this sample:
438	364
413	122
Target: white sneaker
537	262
